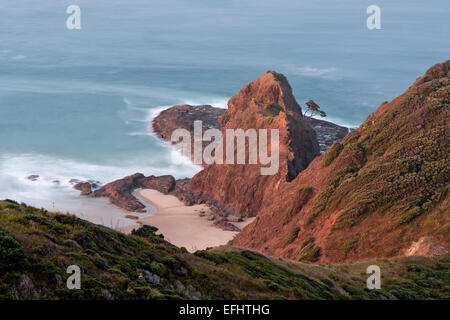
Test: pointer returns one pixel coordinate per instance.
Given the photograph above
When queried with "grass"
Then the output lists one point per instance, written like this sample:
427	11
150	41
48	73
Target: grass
331	154
293	235
40	245
348	244
309	251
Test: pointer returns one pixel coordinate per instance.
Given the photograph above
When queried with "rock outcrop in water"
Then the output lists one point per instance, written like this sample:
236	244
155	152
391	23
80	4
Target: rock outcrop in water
120	191
381	192
84	187
378	193
250	108
183	117
266	103
120	194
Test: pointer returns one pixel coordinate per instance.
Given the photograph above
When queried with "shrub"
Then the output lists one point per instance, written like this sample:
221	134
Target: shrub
308	241
408	172
333	276
331	154
12	206
272	109
148	232
348	244
293	235
310	253
216	258
409	215
12	253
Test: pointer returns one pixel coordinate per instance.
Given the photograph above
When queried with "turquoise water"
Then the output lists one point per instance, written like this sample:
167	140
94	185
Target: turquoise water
77	104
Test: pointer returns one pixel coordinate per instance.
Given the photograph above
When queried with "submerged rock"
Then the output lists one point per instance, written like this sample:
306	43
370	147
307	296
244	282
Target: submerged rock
84	187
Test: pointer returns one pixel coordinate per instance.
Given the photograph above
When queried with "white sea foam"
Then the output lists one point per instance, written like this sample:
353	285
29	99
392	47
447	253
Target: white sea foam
46	193
326	73
154	112
215	102
60	195
127	102
338	121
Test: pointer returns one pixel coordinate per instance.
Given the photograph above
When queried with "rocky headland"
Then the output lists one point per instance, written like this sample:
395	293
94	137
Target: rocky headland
378	193
375	192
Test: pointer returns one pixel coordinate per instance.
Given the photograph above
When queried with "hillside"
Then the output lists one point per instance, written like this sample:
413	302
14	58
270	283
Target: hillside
381	192
36	246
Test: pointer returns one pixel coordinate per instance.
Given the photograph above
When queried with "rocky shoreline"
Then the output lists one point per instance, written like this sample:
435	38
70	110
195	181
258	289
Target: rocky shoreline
183	117
120	191
304	211
319	206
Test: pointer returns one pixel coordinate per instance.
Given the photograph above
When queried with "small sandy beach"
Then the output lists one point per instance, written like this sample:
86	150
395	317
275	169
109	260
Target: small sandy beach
182	225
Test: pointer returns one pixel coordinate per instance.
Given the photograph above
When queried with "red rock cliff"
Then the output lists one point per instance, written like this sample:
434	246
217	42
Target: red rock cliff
266	103
376	194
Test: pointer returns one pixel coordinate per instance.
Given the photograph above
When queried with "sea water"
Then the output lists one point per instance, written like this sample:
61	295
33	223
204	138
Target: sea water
77	104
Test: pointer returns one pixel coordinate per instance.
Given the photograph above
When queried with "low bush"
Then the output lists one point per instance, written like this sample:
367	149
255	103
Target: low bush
293	235
12	253
272	109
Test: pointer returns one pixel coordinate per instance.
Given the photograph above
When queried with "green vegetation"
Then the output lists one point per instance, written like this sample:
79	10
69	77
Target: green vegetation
272	109
348	244
37	246
397	163
309	252
293	235
301	198
12	253
331	153
334	277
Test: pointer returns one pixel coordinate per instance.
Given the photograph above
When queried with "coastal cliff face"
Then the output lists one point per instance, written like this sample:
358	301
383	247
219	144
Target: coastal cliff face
382	192
266	103
248	109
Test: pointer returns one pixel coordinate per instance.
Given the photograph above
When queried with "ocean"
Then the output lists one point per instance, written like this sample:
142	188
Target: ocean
78	103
